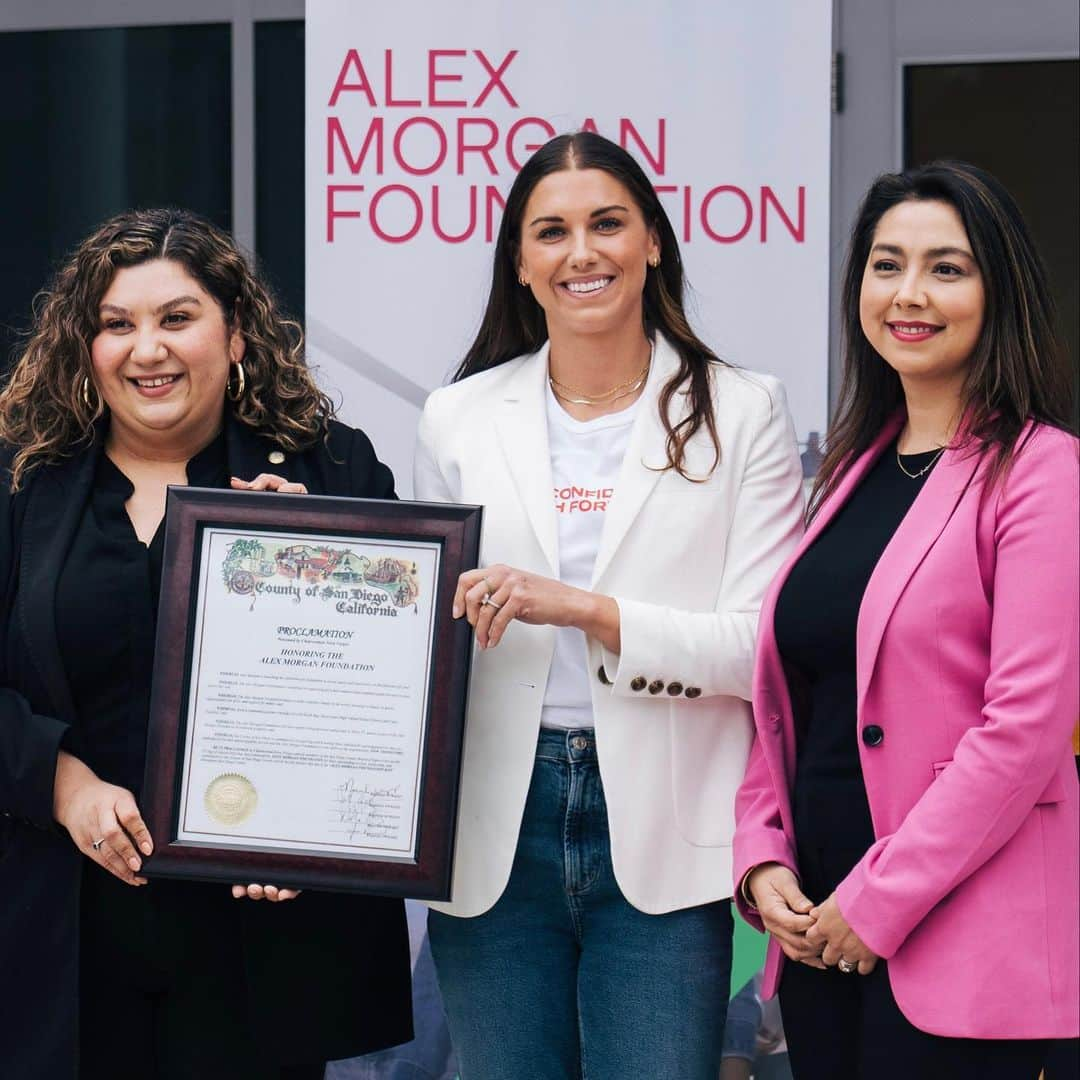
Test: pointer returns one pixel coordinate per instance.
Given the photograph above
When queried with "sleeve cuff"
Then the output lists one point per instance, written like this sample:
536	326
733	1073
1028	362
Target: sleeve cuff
610	662
39	805
852	899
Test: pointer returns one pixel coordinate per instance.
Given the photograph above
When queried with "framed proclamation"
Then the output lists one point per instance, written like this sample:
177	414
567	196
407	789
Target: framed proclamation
308	700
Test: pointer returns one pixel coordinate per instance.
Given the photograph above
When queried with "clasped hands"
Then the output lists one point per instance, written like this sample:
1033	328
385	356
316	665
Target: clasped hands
817	935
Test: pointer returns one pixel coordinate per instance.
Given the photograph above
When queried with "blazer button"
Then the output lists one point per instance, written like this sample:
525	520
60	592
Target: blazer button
674	688
693	691
656	686
637	683
873	735
601	674
276	457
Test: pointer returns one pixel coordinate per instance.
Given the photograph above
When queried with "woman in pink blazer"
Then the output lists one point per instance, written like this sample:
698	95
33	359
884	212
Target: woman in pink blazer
907	828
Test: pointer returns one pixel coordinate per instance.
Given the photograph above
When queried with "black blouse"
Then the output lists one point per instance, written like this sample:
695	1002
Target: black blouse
815	623
108	594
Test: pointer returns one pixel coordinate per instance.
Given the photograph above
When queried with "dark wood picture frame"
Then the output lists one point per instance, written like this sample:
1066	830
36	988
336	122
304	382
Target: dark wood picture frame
188	512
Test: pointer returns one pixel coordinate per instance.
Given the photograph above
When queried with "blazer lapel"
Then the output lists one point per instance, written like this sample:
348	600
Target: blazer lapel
521	430
52	517
913	539
247	452
643	463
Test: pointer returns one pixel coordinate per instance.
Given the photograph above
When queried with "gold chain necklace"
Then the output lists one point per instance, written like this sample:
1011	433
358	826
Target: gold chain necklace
610	400
607	396
924	470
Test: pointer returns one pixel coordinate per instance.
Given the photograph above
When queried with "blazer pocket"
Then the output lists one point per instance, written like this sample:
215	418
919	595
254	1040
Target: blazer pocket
1054	792
710	745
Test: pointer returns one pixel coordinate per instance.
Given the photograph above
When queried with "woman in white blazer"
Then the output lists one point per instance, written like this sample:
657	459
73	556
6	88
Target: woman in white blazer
638	496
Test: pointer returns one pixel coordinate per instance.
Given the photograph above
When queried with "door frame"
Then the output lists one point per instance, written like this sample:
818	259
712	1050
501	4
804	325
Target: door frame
1011	57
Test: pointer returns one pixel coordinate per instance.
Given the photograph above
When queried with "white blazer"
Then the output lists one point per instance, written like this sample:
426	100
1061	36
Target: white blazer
687	563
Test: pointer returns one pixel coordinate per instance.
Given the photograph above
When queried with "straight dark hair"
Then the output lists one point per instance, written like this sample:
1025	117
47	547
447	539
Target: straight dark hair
514	323
1018	370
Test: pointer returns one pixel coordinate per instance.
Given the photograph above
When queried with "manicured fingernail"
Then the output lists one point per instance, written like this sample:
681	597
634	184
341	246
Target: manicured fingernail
134	863
456	611
146	847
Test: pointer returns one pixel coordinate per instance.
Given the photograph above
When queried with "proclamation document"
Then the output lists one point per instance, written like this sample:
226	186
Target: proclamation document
310	676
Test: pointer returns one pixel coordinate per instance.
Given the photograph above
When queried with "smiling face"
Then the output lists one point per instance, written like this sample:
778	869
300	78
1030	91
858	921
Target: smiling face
161	357
922	300
585	248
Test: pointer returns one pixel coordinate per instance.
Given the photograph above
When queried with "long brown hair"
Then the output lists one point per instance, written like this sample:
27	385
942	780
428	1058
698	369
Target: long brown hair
43	409
1018	370
514	323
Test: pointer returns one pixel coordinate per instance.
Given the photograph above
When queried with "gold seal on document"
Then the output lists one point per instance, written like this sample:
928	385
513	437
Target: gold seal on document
230	799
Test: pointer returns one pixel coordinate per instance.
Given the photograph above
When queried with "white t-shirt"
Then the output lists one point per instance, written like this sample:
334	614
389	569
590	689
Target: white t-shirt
586	456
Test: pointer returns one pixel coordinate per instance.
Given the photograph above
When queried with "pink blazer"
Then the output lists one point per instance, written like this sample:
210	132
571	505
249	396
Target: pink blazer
967	660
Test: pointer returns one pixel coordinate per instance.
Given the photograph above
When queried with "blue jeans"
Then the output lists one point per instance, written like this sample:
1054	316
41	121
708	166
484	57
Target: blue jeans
563	979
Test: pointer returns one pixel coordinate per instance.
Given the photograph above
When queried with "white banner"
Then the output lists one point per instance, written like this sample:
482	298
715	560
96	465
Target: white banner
419	114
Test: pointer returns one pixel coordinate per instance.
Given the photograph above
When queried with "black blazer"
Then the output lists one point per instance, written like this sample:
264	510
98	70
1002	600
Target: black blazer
303	957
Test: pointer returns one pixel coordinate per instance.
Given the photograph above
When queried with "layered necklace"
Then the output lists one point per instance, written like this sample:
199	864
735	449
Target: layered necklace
573	396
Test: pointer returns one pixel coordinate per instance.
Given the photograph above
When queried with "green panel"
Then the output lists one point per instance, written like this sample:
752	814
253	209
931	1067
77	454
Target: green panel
749	954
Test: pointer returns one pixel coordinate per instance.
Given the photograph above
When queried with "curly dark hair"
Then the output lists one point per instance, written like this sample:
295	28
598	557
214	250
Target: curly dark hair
43	409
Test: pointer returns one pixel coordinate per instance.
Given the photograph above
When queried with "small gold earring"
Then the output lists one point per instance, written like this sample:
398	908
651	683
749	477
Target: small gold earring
654	261
523	281
237	381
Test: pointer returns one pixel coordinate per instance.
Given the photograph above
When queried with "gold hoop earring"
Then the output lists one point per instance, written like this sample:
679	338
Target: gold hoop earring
86	395
237	381
523	281
654	261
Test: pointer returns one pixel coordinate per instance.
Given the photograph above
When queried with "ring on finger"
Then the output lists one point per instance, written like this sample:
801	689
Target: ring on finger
846	966
488	602
96	844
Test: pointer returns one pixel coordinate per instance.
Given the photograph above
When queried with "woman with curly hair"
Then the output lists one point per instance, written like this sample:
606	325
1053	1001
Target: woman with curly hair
157	357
